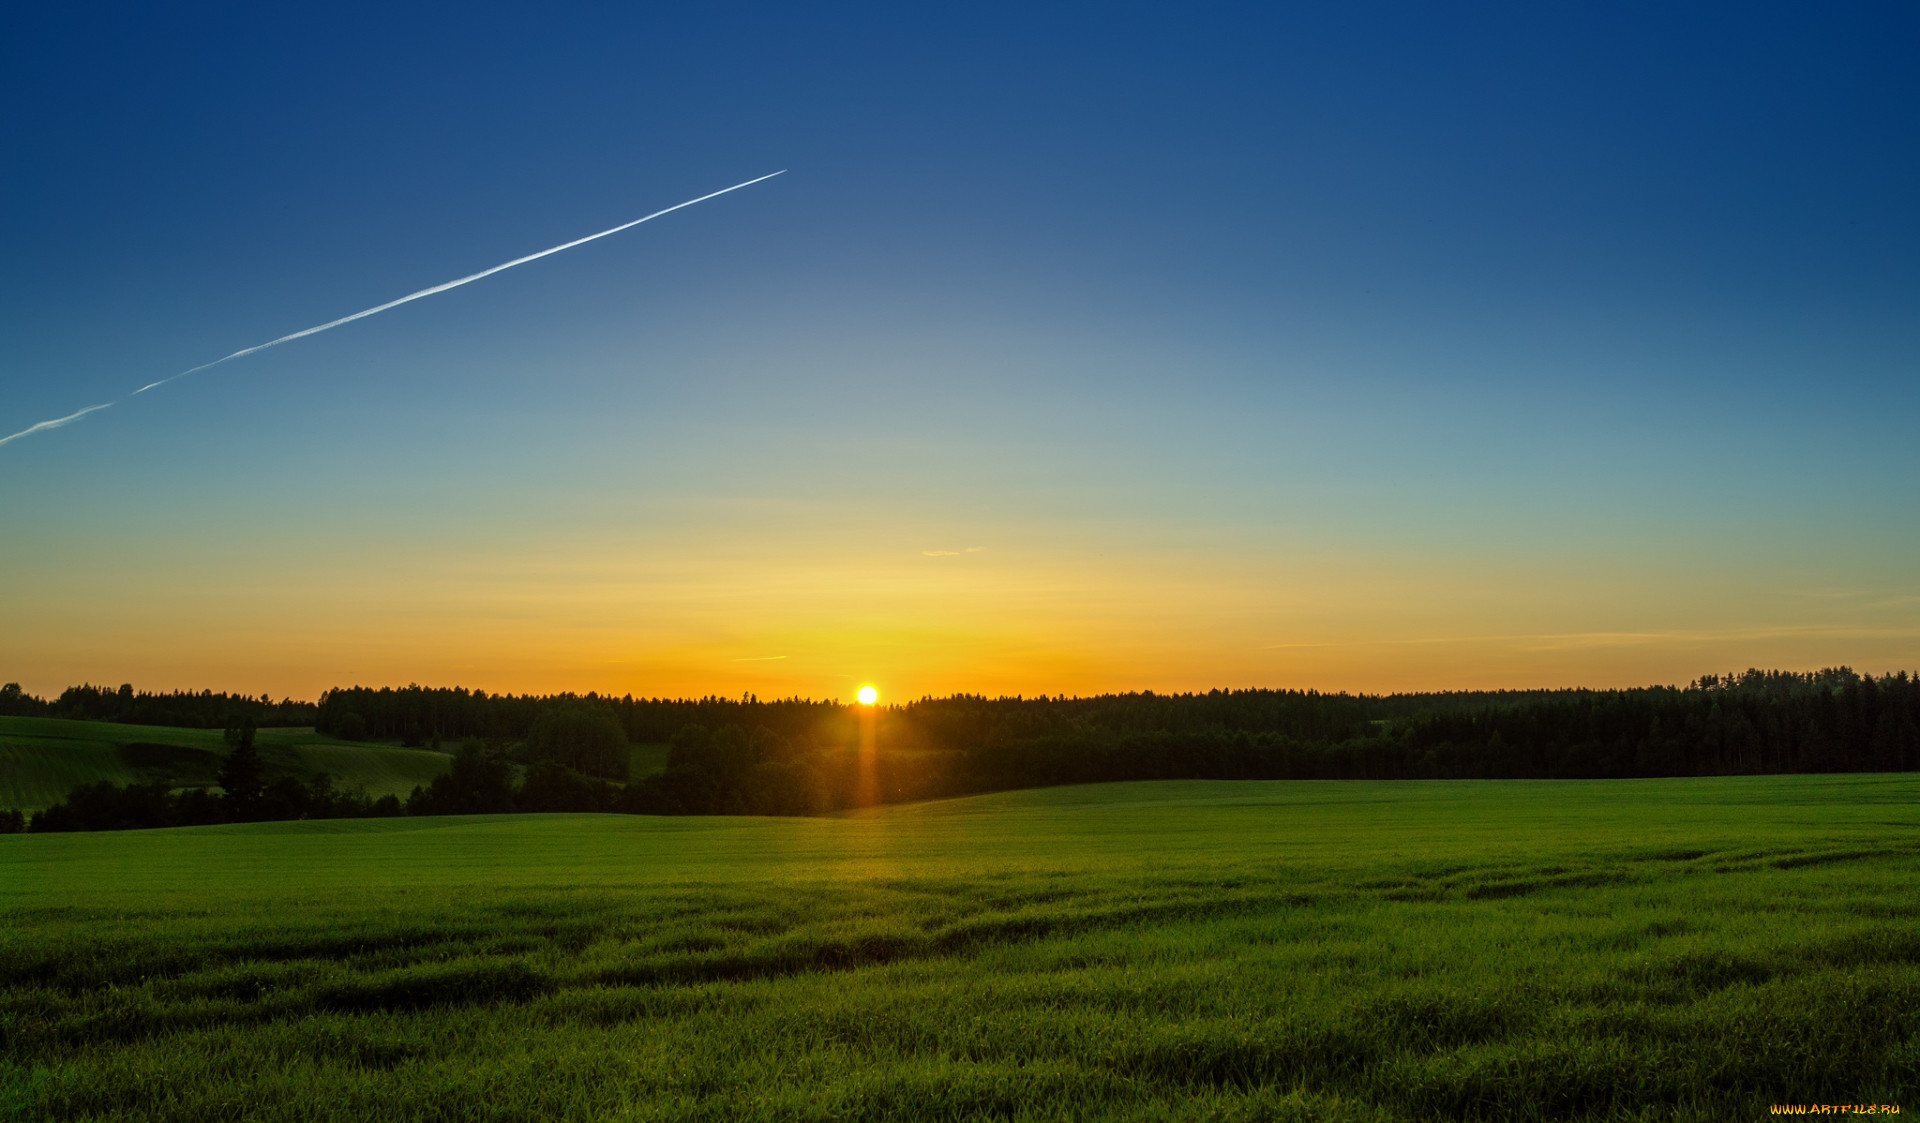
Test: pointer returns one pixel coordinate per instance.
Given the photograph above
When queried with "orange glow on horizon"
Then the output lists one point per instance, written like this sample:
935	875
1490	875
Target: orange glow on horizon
768	602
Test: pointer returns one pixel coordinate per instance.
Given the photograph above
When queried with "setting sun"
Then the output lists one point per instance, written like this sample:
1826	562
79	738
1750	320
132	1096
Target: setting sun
867	695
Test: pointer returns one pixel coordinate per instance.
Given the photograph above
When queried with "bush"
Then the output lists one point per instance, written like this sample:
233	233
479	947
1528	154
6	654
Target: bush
552	786
589	741
479	783
727	771
105	806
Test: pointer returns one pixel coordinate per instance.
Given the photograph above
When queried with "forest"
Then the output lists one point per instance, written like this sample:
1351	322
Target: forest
183	709
801	757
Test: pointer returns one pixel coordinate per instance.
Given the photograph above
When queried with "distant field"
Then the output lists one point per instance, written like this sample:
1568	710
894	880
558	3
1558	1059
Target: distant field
41	759
1654	949
646	760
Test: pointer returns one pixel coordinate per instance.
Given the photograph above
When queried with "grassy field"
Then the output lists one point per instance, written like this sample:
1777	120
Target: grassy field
41	759
1658	949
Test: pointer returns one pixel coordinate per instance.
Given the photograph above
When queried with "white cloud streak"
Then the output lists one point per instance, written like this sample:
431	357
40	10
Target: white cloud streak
42	426
378	308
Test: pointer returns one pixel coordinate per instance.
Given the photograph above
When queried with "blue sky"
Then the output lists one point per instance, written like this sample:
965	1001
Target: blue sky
1091	348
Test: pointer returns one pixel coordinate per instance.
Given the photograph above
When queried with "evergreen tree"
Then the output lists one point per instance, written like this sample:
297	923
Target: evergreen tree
244	776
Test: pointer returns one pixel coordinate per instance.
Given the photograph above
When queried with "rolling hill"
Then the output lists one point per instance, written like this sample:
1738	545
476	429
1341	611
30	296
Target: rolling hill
41	759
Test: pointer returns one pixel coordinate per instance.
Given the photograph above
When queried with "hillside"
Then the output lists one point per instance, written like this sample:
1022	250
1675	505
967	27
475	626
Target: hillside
41	759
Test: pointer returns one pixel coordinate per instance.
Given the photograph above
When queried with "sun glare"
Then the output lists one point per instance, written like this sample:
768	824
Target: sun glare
867	695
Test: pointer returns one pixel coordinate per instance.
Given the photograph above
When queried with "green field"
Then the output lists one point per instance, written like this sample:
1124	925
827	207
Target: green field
1652	949
41	759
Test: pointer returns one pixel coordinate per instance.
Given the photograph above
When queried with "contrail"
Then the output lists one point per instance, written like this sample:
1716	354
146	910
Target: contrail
467	280
54	424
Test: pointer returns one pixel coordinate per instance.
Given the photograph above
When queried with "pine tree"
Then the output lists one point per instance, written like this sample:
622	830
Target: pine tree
243	775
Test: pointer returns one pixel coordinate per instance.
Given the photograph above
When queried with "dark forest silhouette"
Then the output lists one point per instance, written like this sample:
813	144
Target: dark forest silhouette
797	756
181	709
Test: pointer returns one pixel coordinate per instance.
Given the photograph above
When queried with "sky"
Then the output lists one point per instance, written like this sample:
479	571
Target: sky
1080	349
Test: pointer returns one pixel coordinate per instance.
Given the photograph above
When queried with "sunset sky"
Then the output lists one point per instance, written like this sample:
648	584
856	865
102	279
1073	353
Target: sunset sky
1376	347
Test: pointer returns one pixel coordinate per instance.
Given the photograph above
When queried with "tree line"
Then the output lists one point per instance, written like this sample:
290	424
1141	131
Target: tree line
182	709
797	757
417	714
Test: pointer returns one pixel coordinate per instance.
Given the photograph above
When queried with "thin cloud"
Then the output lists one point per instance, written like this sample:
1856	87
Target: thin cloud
42	426
756	659
1551	641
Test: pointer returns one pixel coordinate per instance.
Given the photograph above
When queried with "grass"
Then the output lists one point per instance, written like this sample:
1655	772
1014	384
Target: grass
41	759
647	759
1625	950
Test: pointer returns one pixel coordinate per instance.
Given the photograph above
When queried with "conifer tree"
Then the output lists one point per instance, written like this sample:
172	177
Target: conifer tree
243	775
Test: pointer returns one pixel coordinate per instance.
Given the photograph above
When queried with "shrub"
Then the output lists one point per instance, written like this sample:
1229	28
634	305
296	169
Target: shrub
586	740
